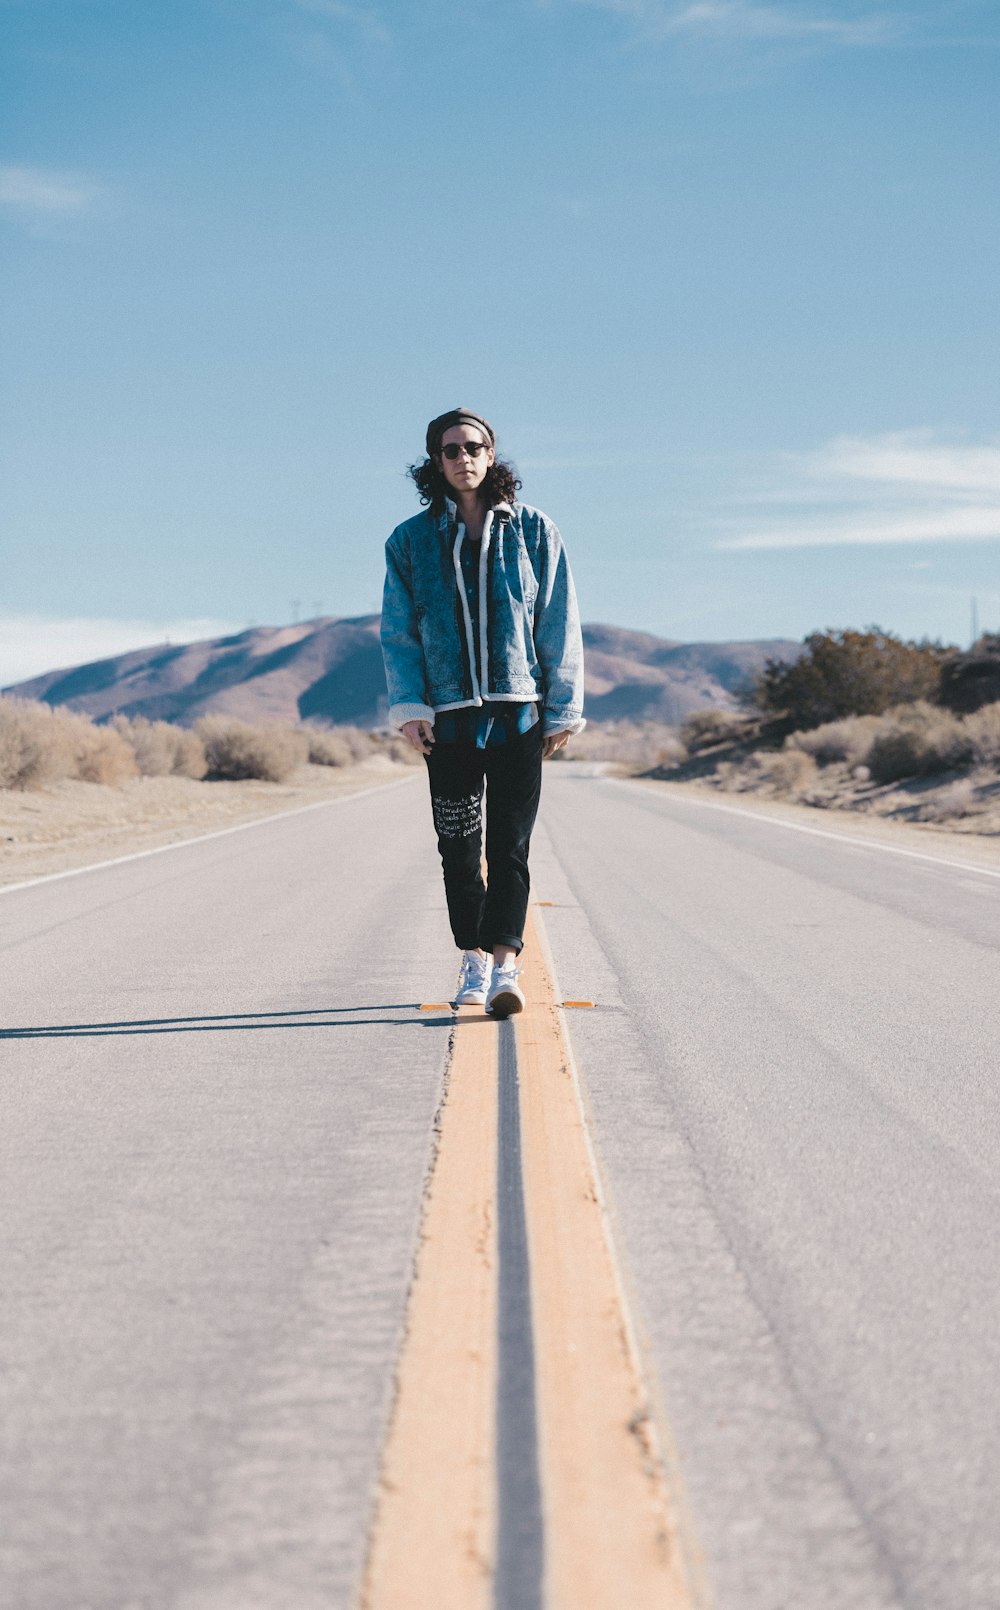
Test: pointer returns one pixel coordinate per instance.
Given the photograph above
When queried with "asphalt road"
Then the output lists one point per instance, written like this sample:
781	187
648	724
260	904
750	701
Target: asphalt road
218	1107
794	1088
219	1101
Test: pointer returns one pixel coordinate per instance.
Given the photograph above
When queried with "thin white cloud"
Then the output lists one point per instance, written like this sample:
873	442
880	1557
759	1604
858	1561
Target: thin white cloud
948	525
910	458
364	19
897	488
33	644
746	20
743	20
45	191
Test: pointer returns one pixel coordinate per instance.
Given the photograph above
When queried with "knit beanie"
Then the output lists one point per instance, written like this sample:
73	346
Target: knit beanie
456	416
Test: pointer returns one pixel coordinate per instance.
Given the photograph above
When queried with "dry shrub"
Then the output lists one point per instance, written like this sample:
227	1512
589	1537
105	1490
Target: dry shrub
671	753
402	751
641	744
344	746
329	749
918	740
913	740
703	728
955	800
189	756
34	747
238	751
360	742
100	754
160	749
848	740
983	729
786	771
39	746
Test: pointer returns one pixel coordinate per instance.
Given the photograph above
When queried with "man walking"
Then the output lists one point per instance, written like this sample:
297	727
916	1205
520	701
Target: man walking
484	665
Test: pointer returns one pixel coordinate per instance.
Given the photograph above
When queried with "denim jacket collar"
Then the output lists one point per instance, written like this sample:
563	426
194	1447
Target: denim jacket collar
448	519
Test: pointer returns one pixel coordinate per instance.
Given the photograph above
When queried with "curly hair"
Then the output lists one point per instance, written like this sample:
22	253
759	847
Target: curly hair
500	485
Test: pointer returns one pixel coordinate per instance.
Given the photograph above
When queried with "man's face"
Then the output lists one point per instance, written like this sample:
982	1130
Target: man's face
464	471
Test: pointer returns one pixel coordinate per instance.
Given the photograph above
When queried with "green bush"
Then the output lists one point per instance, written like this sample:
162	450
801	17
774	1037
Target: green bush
972	679
847	673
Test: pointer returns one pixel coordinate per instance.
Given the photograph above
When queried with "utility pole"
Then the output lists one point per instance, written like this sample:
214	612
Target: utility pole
975	621
296	606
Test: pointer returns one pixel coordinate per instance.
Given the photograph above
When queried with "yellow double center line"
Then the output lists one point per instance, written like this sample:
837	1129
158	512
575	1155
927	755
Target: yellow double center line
521	1470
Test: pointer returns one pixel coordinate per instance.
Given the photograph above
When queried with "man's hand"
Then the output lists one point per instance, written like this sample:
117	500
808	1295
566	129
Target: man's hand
554	741
420	734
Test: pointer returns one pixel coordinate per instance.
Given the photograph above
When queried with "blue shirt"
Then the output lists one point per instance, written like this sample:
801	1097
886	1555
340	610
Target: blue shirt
497	720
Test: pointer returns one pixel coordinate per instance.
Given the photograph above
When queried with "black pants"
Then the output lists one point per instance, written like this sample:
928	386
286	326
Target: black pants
484	915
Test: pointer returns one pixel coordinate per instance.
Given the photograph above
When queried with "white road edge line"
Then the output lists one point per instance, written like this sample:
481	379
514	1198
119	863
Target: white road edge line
852	841
200	838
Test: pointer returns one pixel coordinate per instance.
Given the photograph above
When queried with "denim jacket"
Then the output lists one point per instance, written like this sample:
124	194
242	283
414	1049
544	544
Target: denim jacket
530	645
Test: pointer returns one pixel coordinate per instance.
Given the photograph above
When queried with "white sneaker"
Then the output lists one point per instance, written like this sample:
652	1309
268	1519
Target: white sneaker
505	995
474	980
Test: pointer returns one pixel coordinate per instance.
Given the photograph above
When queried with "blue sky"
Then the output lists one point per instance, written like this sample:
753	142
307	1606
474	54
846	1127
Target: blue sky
722	273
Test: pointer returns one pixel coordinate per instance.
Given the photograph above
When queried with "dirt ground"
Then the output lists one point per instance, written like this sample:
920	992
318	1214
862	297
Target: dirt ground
952	841
966	803
74	824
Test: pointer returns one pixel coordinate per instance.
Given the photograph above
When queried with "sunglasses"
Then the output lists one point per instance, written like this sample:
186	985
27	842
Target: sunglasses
451	450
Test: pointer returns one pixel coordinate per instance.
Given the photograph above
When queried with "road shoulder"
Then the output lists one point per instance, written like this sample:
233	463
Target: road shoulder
965	848
73	824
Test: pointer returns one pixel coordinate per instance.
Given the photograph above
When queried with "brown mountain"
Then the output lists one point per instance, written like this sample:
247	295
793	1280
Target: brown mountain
331	671
636	676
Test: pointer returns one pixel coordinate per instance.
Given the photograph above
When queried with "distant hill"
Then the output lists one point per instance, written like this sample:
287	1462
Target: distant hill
330	670
637	676
321	670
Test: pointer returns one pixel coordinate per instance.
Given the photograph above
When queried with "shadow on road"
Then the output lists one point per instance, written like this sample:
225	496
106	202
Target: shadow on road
316	1017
